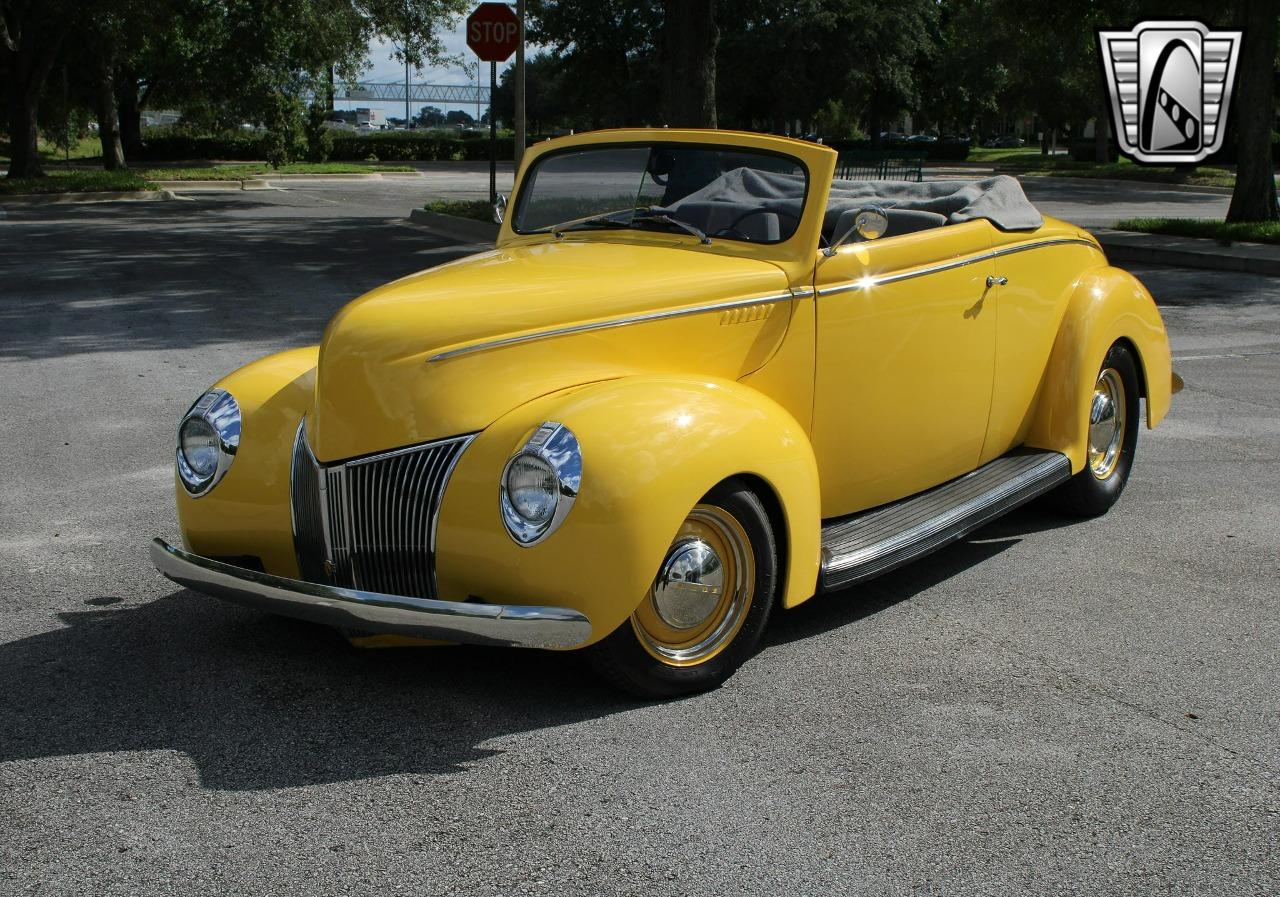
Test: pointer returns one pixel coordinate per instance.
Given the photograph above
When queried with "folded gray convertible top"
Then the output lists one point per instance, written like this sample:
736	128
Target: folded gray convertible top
998	199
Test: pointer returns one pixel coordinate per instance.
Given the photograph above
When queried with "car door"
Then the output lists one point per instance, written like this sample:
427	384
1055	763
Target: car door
905	356
1040	274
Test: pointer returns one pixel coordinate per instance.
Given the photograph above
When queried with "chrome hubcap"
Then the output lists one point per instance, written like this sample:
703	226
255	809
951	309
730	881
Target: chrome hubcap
689	585
702	592
1107	421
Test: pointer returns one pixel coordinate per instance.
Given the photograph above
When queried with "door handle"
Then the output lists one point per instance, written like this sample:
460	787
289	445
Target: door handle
996	280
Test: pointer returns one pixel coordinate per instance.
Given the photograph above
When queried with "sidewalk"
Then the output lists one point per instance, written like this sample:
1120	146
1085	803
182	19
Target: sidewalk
1189	252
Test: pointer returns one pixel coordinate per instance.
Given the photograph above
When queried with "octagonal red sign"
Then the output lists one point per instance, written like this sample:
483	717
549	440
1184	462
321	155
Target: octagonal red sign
493	32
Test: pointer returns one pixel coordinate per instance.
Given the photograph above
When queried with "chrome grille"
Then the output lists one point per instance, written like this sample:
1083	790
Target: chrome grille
370	523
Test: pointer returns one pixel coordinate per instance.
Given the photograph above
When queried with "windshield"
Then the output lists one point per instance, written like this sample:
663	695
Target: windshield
723	192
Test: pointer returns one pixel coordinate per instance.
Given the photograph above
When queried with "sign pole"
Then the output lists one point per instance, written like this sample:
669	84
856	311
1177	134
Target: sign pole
521	138
493	135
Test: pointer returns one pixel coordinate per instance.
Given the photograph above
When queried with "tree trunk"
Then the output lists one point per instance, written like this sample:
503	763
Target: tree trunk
24	156
108	120
689	40
24	67
129	112
1102	128
1254	198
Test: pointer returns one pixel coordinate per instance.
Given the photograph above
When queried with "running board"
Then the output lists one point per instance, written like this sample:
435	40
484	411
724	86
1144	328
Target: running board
865	545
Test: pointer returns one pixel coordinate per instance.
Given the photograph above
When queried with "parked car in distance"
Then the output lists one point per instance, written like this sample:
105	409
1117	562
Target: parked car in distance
922	138
1006	142
696	382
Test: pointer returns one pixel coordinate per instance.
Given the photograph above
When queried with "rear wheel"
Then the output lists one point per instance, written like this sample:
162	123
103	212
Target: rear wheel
709	603
1113	439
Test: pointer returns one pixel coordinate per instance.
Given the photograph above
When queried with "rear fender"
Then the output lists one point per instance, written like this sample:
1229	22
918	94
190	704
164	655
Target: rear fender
1108	306
652	448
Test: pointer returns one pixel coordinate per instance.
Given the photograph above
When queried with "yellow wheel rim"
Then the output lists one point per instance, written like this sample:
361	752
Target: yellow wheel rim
704	588
1108	419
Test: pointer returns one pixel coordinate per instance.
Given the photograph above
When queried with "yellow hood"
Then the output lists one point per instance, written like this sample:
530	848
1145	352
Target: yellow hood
378	387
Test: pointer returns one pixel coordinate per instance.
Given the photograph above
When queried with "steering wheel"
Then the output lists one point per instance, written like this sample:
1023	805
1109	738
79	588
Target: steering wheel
731	229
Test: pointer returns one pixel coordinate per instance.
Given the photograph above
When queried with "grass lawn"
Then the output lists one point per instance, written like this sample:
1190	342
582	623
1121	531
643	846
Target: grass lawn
77	182
984	154
89	149
477	209
1210	228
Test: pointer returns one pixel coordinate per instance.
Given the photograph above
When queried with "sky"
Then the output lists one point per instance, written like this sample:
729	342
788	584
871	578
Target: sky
385	68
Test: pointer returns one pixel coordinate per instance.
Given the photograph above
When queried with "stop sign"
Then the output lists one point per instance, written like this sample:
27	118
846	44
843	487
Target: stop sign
493	32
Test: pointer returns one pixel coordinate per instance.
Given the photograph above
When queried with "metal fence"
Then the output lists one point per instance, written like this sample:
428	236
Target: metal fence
882	166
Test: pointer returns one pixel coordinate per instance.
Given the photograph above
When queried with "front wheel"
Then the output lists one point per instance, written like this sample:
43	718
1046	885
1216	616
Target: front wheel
1113	439
708	605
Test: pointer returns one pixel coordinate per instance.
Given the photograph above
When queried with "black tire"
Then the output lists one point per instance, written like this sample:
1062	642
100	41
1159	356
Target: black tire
623	659
1091	492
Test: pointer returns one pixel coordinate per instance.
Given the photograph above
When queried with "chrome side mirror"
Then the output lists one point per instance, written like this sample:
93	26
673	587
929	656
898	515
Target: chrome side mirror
870	223
500	208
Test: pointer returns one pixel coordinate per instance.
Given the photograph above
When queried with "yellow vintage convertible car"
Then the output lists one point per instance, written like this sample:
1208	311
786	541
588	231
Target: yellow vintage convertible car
698	377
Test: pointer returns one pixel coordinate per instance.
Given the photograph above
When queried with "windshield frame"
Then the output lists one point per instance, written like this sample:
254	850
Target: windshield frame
530	177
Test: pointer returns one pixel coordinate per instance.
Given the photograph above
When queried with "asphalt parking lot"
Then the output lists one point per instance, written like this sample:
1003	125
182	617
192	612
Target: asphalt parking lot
1048	707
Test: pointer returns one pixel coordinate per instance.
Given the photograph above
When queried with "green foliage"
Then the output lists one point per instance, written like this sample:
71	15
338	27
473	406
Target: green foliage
169	143
941	151
1212	229
475	209
834	120
76	182
284	140
319	136
421	146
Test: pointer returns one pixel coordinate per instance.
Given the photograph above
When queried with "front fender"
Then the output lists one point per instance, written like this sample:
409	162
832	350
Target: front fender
1108	305
651	448
248	512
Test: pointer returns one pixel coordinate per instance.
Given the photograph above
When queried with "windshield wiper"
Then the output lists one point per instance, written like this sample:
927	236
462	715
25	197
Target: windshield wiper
648	215
605	220
639	216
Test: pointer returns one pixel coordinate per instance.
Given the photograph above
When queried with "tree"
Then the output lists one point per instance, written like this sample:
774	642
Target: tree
608	67
429	117
689	41
459	117
31	34
1254	197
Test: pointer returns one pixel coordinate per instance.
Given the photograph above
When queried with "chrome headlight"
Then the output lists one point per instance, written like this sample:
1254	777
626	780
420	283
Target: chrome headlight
540	483
207	441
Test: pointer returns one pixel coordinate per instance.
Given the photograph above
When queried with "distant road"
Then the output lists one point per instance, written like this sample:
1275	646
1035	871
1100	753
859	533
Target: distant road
1088	203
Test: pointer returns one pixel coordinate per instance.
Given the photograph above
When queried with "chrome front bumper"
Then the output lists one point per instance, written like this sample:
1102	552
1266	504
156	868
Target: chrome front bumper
454	621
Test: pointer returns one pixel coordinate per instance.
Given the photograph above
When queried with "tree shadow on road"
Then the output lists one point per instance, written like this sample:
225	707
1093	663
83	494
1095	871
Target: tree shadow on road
173	279
263	702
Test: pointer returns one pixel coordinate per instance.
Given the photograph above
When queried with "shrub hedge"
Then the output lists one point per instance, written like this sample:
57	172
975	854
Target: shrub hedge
941	151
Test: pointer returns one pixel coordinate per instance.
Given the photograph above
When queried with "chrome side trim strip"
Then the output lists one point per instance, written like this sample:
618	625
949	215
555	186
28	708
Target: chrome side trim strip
455	621
615	322
864	283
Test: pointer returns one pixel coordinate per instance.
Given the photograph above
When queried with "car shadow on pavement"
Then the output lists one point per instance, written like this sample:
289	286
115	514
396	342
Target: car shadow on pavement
261	702
845	606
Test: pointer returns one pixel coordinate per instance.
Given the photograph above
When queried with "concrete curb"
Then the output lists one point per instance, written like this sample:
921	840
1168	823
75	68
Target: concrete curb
266	181
57	199
202	186
1189	252
464	229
